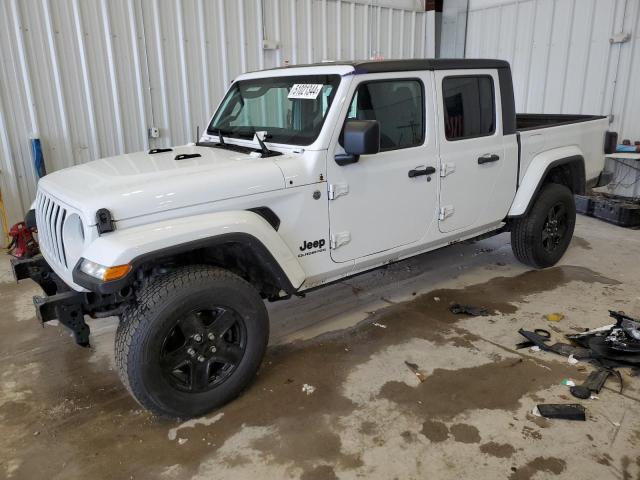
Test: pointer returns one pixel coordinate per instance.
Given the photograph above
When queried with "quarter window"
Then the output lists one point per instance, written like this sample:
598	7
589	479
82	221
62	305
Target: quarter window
469	109
399	108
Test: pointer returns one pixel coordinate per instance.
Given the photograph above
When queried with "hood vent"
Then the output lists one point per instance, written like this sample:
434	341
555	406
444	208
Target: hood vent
184	156
160	150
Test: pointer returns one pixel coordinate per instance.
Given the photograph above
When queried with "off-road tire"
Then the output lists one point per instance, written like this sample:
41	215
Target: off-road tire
161	304
527	232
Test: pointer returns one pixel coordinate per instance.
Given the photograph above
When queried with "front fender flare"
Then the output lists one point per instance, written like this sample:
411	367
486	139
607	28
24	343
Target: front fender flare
536	172
142	244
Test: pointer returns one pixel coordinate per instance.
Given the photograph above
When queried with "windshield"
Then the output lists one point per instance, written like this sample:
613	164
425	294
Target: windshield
291	110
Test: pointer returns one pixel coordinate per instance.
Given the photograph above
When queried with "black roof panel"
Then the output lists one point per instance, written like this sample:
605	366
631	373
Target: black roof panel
414	64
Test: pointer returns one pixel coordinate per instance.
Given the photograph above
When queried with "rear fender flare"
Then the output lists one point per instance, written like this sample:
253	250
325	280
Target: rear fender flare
537	171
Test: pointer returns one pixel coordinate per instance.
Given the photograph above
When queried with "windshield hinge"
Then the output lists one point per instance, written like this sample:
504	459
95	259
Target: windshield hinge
447	168
337	189
339	239
446	212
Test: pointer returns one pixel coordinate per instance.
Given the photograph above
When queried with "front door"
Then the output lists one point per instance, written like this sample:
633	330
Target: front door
471	149
385	200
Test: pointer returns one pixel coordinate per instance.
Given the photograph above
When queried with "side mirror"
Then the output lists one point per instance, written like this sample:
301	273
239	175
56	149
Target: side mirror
360	137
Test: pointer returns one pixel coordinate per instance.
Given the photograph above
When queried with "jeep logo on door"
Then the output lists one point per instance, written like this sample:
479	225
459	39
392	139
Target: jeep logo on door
311	247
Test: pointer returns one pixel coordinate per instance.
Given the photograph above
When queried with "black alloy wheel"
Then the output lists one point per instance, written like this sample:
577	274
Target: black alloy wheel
203	349
555	227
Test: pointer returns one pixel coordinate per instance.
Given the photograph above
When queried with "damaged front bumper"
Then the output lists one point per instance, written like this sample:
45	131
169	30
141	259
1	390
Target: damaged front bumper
64	304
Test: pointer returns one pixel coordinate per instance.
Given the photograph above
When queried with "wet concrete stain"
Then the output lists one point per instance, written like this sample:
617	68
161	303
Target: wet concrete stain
368	428
539	421
604	459
464	433
528	432
447	393
323	472
408	436
293	445
435	431
539	464
99	413
625	462
580	243
499	450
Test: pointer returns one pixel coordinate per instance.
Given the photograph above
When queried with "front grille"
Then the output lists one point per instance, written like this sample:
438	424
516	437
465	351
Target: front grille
50	216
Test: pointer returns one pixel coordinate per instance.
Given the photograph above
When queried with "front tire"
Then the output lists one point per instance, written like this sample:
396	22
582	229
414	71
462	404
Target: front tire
192	342
540	238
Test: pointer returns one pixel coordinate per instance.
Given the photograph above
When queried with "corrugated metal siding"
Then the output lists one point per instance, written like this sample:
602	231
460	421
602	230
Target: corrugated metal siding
91	76
561	56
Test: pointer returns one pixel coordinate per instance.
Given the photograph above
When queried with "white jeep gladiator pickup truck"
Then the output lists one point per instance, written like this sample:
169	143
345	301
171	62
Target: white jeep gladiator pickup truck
305	175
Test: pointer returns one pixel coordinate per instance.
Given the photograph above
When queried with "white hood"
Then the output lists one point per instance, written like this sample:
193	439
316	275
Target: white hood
139	184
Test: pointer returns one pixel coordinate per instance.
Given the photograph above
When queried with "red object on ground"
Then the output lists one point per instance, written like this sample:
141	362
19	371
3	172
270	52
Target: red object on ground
22	244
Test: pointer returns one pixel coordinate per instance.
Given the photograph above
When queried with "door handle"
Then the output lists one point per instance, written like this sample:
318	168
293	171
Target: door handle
488	158
423	171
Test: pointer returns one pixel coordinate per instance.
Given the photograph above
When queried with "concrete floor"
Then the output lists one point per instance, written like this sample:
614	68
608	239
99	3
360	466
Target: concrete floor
64	413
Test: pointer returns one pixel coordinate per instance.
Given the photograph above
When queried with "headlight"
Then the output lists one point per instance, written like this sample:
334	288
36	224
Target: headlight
73	237
103	273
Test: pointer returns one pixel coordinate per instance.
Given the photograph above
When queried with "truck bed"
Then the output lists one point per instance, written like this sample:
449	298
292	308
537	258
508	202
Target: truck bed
567	135
533	121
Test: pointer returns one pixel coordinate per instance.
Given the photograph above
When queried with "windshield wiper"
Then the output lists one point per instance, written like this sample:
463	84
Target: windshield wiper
230	146
221	143
265	151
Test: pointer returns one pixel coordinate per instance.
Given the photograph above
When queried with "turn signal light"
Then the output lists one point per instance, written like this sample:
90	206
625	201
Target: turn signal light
103	273
115	273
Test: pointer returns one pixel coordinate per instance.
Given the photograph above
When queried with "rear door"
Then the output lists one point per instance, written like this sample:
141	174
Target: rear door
471	149
376	204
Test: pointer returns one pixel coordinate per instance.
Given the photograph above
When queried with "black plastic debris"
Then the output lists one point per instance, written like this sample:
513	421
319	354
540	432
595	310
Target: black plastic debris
537	338
607	348
614	345
593	384
570	411
540	337
458	308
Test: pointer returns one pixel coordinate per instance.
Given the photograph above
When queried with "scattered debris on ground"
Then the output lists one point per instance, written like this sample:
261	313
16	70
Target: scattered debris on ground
554	317
616	345
608	347
308	389
570	411
416	371
594	383
457	308
541	335
379	325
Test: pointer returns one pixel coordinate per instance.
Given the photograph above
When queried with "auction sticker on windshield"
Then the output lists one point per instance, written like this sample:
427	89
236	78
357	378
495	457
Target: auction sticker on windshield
305	91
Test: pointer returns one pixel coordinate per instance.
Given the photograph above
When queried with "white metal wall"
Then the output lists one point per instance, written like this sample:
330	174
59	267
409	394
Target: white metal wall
561	55
91	76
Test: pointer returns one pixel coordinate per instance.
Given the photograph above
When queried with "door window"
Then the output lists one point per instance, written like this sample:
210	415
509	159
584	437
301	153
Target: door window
398	106
469	109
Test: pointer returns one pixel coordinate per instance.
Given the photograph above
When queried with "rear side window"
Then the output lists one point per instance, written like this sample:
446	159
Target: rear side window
469	107
398	106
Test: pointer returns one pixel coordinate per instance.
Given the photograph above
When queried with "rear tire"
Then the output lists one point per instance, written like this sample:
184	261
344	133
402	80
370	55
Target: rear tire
192	342
540	238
